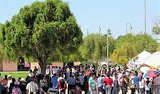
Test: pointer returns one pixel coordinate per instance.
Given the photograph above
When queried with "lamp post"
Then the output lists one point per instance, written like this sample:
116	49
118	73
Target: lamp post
108	33
130	27
144	16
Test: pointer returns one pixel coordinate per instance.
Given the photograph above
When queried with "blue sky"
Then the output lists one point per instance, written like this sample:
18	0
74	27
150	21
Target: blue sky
92	14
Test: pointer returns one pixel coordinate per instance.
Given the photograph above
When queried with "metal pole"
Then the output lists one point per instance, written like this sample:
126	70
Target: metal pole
130	27
144	16
107	48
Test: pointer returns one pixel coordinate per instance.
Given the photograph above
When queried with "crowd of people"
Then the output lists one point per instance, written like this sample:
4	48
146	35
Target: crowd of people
81	78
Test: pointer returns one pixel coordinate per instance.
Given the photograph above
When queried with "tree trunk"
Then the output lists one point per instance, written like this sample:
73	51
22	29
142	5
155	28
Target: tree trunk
42	63
96	65
43	67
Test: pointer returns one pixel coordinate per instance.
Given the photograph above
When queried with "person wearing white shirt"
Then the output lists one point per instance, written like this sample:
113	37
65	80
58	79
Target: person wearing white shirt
142	85
73	71
9	82
31	87
148	85
39	71
47	70
68	71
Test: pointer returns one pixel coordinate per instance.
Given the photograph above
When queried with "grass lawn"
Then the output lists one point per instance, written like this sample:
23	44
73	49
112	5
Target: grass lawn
16	75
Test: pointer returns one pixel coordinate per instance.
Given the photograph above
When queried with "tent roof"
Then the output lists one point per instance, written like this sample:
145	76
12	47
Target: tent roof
139	57
143	55
151	60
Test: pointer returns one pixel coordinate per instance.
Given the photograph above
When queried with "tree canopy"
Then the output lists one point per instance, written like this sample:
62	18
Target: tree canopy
129	45
41	30
94	47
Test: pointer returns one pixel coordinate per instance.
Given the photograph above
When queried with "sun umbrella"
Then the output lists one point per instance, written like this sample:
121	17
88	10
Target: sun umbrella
150	73
158	73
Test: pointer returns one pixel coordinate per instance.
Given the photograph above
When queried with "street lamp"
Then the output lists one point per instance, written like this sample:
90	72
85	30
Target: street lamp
130	27
108	33
144	16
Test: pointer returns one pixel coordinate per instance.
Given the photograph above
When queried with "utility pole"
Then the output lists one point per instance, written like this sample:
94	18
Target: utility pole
108	32
144	16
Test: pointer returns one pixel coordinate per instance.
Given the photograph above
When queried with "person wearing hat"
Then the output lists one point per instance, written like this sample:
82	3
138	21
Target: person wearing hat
23	85
9	82
12	84
61	85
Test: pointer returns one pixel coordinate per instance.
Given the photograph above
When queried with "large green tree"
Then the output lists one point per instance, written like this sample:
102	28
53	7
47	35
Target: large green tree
130	45
141	42
94	47
40	31
145	42
123	54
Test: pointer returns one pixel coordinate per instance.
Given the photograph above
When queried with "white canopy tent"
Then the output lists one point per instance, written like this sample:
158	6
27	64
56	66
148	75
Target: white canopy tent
143	55
139	57
152	60
135	60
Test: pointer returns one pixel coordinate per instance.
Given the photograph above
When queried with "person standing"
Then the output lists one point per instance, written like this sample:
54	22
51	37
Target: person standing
54	80
142	85
148	85
115	85
9	82
32	87
5	82
30	73
124	85
12	85
92	84
16	89
157	84
39	71
100	84
81	78
71	83
77	88
23	85
68	71
132	87
48	71
136	82
108	83
86	86
2	88
35	71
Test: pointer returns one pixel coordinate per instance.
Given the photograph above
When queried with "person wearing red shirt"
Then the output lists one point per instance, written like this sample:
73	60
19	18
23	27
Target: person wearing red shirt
108	83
